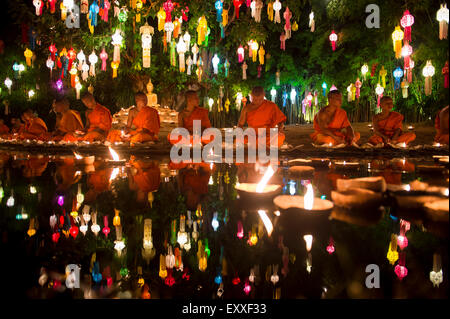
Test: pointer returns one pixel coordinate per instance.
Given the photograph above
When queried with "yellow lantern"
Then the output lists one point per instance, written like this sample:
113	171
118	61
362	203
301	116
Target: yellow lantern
114	66
295	26
392	254
383	74
397	37
161	19
253	240
261	54
28	55
202	28
270	10
224	17
254	47
116	219
63	11
31	230
176	28
138	4
162	267
203	261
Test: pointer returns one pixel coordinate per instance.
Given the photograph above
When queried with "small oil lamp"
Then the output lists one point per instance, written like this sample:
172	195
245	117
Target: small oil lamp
346	165
260	190
305	204
88	160
116	159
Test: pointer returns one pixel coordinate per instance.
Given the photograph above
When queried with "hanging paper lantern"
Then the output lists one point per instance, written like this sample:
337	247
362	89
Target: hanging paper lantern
383	74
402	241
116	219
254	49
277	77
117	42
409	71
379	91
52	4
324	88
93	59
443	17
398	74
404	85
407	50
84	6
392	254
215	62
161	19
81	59
105	229
195	51
138	9
330	247
187	40
50	64
202	28
436	275
168	8
256	7
219	9
406	22
176	28
103	57
28	55
397	37
106	7
240	53
85	70
71	55
445	74
364	70
261	54
73	73
53	50
244	71
358	85
173	46
295	26
277	7
146	32
428	72
283	41
333	38
181	49
270	11
247	287
93	11
400	270
312	23
38	4
237	4
287	27
349	93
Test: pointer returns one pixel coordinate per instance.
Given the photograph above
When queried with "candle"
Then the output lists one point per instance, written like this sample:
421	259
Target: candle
116	159
303	204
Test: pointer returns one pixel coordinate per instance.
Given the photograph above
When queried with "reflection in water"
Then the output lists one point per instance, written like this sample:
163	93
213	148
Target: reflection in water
156	229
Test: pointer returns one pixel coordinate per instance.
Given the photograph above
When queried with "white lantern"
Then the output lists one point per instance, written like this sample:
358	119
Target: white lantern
168	28
146	32
81	59
428	72
277	8
30	94
93	59
195	53
187	40
78	88
50	64
364	70
273	93
181	49
117	42
443	17
189	65
312	24
85	69
215	62
8	84
293	95
148	240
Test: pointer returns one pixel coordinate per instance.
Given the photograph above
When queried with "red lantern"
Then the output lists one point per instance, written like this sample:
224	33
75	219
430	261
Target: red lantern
236	281
71	55
105	229
407	21
169	281
55	237
333	38
53	51
374	69
186	275
74	231
445	74
400	270
237	4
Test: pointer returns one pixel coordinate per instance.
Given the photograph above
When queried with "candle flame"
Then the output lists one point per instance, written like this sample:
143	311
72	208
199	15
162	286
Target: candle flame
267	175
308	239
266	221
114	155
114	174
309	197
78	156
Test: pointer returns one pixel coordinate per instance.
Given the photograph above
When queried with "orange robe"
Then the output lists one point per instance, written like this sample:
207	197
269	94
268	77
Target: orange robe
35	166
69	123
194	185
146	180
339	122
267	116
99	119
388	127
146	119
440	137
201	114
34	130
4	129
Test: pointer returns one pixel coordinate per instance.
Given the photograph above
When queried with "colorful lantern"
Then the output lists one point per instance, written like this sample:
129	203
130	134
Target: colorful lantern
219	9
333	38
270	11
404	85
330	247
202	28
324	88
406	22
392	254
383	74
106	7
277	7
436	275
176	27
227	67
105	229
53	50
428	72
84	6
257	8
181	49
71	55
81	59
85	70
283	41
407	50
117	42
400	270
397	37
398	74
161	15
103	57
168	8
93	59
364	70
240	53
287	27
78	87
73	73
195	51
28	55
138	10
379	91
445	74
261	54
358	85
312	23
187	40
38	5
146	32
237	4
254	49
409	71
93	11
52	4
443	17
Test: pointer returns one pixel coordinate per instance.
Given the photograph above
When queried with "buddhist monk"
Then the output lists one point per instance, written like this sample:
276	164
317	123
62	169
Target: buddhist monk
3	128
388	124
142	126
34	129
194	185
441	125
98	121
145	178
330	122
191	113
261	113
69	122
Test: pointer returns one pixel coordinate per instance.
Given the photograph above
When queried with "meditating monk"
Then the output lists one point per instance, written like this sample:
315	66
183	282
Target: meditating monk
16	125
145	178
98	121
388	124
34	129
261	113
194	185
331	121
69	122
142	126
441	125
191	113
3	128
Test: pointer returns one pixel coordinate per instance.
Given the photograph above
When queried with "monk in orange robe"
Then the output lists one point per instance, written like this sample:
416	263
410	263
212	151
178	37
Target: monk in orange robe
441	125
192	112
35	166
68	123
34	129
145	178
3	128
98	121
142	126
330	122
388	125
261	113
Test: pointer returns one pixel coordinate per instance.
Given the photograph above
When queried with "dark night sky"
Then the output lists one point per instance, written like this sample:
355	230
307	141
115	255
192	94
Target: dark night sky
8	31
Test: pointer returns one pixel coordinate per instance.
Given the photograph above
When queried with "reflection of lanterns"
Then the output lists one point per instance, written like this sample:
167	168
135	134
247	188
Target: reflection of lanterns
333	38
400	270
240	231
119	244
308	240
428	72
247	287
392	254
162	267
330	247
443	17
436	275
105	229
31	230
215	222
182	235
402	241
309	198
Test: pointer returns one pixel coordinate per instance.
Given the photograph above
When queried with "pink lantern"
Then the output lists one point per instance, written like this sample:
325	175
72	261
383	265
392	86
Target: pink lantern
445	74
241	53
333	38
168	8
247	287
105	229
55	237
406	22
103	57
400	270
358	85
333	88
330	247
405	225
60	200
402	241
106	7
407	50
240	232
283	41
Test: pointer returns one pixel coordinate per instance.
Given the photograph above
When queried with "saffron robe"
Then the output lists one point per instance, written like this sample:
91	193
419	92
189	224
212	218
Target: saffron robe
69	123
201	114
440	136
4	129
388	126
36	129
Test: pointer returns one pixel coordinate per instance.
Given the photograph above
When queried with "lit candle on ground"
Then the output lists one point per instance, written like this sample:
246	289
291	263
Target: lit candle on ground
306	204
116	159
88	160
260	189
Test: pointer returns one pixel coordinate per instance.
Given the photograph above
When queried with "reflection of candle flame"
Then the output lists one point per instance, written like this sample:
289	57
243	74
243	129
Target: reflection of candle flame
266	221
114	155
309	197
78	156
267	175
408	187
308	239
114	174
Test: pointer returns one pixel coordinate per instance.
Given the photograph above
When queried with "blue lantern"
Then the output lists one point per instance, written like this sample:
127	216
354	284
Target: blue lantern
398	74
324	87
219	9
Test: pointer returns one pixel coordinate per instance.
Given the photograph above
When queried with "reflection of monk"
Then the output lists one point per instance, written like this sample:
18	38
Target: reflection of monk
3	128
263	114
388	125
330	121
142	126
325	181
69	121
145	178
191	113
392	170
194	184
35	128
441	125
66	175
98	182
35	166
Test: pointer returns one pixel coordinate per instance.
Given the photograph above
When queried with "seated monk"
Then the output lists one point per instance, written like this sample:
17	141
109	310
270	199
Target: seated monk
142	126
145	178
34	129
194	185
261	113
16	125
68	123
330	121
192	112
441	125
98	122
387	125
3	128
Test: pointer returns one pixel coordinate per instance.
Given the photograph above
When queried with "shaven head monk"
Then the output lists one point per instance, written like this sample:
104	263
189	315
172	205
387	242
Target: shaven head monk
35	128
98	119
331	125
193	112
388	125
261	113
69	121
142	126
441	125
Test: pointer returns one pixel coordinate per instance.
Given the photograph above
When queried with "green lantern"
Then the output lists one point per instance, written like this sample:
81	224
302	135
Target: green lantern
123	15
